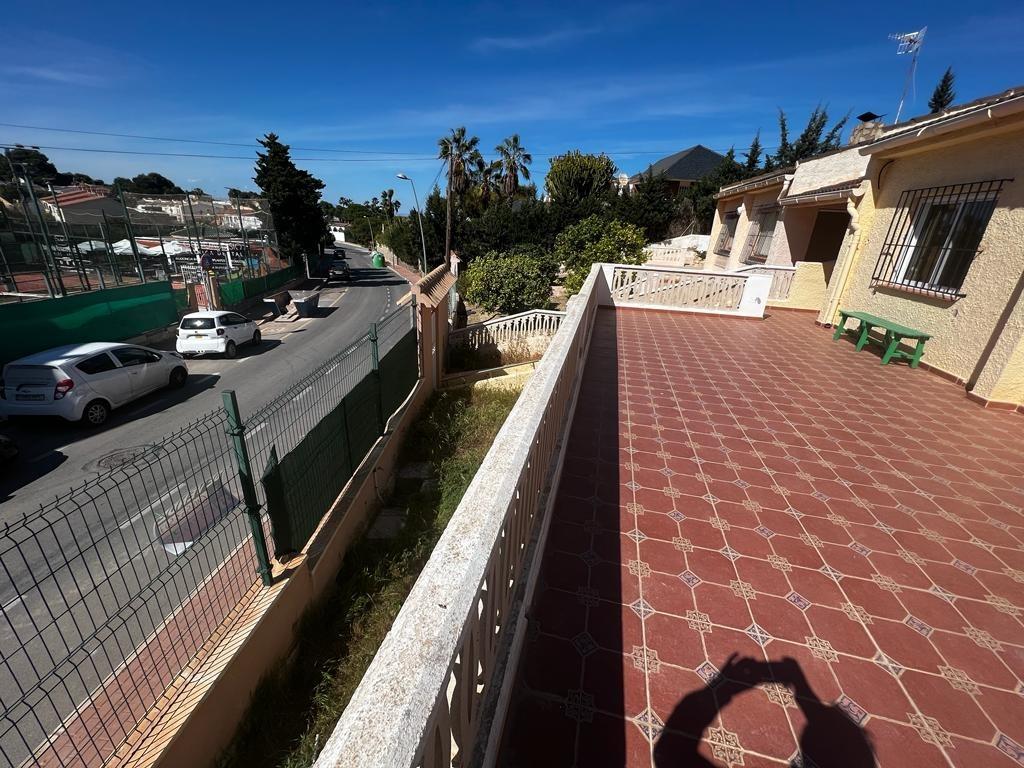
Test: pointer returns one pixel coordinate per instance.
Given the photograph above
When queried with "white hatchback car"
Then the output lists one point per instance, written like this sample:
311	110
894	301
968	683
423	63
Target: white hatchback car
215	331
84	382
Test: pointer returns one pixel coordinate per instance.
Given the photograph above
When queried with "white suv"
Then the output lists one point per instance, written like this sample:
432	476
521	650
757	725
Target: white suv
83	382
221	332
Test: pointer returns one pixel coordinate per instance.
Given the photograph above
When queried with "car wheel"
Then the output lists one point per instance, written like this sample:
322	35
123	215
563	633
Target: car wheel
95	413
230	350
178	378
256	338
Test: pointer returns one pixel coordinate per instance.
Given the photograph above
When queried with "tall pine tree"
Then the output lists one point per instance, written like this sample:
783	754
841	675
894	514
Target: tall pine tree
753	155
294	199
943	95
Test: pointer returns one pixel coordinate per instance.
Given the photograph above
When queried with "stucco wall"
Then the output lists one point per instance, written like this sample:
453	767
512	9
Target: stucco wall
808	288
752	202
960	329
847	165
1009	386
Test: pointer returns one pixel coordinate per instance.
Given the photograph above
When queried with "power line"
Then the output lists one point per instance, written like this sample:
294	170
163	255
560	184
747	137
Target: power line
198	141
219	157
411	155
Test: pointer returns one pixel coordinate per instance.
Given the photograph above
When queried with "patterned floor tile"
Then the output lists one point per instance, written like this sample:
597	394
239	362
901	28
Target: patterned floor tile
715	506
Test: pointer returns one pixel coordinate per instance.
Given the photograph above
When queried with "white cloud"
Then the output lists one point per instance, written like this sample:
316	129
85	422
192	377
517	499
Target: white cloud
531	42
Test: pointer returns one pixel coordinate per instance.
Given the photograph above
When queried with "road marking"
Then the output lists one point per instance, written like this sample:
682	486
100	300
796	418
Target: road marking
136	517
10	603
257	428
302	394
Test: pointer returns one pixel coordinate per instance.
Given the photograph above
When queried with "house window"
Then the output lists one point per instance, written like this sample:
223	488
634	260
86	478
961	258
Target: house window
934	237
727	234
759	241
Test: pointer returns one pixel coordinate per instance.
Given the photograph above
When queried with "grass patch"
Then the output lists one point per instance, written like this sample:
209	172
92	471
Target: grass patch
296	706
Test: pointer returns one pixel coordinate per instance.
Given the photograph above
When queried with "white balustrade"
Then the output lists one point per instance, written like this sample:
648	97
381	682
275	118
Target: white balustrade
502	331
782	278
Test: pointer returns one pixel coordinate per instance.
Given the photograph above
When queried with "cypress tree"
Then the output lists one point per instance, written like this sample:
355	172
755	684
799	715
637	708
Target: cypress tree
943	95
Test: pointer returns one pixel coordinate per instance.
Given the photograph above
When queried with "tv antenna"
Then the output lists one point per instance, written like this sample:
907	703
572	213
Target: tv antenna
909	43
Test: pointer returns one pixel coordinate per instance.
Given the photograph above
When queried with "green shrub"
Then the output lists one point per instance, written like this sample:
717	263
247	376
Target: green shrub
508	282
594	240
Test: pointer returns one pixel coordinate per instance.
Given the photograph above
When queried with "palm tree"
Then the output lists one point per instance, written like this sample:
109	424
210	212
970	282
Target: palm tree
487	177
513	159
389	204
458	152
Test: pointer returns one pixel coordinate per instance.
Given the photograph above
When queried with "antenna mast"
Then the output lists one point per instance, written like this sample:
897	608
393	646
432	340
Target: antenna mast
909	42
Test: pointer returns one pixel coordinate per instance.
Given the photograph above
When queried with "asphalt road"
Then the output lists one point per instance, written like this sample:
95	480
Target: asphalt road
84	594
57	456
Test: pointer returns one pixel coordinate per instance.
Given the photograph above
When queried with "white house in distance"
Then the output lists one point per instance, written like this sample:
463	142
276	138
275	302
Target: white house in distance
338	230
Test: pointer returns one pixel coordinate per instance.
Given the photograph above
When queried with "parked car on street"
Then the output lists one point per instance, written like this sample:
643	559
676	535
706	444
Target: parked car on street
215	331
84	382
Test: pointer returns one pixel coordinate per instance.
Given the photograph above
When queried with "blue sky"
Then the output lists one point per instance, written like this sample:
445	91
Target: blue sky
634	80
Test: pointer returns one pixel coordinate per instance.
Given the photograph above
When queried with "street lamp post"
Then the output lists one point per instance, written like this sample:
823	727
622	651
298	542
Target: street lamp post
419	216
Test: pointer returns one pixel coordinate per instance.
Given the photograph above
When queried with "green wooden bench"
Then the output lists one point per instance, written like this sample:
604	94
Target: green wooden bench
894	334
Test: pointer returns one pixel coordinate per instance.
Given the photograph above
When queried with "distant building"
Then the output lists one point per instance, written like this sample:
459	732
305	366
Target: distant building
683	168
80	204
338	230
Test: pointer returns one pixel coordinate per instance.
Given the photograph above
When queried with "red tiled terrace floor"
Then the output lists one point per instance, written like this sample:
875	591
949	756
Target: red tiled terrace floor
752	488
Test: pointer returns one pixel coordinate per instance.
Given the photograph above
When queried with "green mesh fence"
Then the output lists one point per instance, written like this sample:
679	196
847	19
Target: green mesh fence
341	410
112	315
398	372
236	291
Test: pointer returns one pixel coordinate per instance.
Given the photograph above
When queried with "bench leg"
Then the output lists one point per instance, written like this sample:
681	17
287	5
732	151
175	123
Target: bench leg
840	327
892	348
918	353
865	329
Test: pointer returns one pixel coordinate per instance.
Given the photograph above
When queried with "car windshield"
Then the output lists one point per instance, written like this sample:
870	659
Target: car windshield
194	323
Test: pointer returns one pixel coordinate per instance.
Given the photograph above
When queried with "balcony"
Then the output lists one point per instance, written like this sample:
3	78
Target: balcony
702	540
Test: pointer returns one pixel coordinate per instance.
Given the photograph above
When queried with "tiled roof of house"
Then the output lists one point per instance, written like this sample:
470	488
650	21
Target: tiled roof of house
688	165
762	180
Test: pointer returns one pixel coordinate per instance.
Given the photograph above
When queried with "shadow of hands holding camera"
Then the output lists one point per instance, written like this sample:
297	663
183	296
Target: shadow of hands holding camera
830	739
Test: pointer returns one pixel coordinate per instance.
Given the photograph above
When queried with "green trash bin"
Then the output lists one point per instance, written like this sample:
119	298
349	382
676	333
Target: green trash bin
377	259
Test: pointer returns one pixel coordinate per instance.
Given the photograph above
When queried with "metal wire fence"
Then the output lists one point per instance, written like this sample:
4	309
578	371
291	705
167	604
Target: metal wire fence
88	238
97	575
110	591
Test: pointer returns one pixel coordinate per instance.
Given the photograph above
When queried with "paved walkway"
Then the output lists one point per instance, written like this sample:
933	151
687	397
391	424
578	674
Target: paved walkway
766	543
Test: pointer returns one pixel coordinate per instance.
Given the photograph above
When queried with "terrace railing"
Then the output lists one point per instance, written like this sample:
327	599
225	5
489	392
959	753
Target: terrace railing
782	279
687	289
502	330
422	700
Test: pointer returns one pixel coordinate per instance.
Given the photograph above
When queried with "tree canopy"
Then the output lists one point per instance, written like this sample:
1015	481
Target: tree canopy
294	199
148	184
594	240
509	281
575	176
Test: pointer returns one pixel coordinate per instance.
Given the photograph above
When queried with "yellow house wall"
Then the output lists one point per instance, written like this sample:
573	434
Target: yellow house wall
751	203
961	329
1009	386
808	289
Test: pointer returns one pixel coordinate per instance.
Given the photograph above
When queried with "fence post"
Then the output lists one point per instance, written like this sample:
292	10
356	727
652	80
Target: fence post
236	429
375	360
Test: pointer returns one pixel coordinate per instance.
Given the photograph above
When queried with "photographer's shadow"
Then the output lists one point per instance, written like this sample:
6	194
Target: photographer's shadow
830	739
